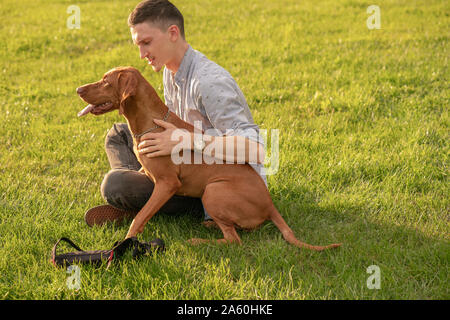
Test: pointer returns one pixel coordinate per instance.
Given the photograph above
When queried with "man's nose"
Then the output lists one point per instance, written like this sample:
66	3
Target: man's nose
142	53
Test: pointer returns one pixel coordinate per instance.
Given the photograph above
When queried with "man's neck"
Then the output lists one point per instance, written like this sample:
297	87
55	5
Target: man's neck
180	51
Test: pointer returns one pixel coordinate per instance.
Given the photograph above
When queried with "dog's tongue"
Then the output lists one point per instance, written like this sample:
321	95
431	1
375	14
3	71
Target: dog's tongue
86	110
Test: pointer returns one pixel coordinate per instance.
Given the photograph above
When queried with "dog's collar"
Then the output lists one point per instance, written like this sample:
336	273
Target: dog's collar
137	136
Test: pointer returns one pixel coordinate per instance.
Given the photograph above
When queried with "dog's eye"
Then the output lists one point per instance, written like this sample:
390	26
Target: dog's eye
106	84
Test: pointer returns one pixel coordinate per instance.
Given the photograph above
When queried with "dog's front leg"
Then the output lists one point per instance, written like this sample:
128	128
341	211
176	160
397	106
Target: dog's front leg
163	191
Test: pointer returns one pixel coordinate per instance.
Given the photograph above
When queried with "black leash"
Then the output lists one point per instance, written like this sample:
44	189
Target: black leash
99	256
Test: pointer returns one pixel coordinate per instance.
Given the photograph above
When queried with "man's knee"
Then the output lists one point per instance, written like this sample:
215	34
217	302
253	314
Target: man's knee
117	135
126	189
111	184
130	190
119	148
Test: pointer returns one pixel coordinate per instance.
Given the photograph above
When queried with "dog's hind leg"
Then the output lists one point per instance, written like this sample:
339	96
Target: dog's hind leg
229	236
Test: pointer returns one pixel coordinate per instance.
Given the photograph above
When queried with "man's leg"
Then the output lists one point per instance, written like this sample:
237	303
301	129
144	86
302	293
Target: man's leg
130	190
124	187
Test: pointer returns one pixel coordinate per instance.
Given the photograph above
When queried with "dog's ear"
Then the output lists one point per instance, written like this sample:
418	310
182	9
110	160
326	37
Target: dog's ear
127	84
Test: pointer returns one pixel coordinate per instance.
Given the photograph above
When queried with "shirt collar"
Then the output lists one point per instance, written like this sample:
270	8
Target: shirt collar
185	65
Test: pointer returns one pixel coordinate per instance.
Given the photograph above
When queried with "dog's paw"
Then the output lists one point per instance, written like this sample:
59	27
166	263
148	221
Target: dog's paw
197	241
210	224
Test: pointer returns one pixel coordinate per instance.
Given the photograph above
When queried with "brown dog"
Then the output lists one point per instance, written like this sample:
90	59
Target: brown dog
234	195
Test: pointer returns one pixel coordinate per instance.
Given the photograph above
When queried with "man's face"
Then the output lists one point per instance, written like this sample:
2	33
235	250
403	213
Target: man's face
154	45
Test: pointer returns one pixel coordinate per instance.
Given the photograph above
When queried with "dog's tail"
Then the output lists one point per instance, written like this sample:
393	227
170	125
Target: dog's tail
289	236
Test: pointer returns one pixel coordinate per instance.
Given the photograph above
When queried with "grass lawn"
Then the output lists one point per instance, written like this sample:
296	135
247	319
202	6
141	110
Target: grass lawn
363	120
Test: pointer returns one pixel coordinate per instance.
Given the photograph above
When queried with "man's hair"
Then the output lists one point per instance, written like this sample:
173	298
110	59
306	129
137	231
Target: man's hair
160	12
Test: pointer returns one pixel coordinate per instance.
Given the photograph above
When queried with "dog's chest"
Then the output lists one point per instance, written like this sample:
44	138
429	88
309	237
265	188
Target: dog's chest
156	167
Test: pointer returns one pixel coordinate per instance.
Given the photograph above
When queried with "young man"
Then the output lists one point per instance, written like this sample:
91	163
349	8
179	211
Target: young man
197	90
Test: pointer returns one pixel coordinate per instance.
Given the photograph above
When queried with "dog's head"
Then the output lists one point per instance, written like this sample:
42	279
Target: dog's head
111	92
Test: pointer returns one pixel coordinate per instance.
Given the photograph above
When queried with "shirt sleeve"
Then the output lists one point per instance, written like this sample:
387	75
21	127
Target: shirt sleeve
226	108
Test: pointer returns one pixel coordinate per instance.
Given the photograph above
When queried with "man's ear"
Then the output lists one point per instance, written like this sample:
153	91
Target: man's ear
127	83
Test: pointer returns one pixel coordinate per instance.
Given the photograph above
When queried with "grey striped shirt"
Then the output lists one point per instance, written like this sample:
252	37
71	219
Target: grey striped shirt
201	90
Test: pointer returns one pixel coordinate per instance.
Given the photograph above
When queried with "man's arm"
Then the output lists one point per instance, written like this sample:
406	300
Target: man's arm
229	149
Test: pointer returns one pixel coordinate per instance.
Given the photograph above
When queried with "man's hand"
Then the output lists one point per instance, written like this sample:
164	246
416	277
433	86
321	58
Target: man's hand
158	144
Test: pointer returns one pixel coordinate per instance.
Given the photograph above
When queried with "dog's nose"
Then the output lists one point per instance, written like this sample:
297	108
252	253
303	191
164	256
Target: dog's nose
80	90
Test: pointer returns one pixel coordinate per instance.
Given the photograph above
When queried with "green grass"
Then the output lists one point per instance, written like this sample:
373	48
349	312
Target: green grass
364	131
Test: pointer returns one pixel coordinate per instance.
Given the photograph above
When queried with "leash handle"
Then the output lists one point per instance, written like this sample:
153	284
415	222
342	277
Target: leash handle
66	240
119	248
